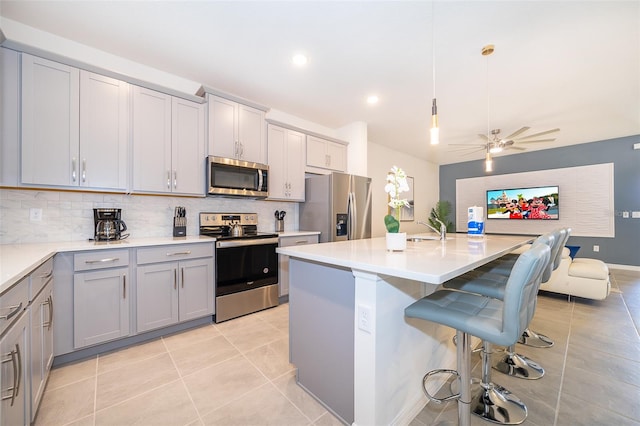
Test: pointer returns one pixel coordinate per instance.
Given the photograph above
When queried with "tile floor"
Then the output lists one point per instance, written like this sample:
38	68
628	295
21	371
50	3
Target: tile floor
237	373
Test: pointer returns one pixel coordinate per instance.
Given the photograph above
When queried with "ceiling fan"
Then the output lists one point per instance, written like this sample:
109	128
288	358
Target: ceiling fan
494	143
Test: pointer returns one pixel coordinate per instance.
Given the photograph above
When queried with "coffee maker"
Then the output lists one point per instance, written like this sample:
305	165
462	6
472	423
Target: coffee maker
108	225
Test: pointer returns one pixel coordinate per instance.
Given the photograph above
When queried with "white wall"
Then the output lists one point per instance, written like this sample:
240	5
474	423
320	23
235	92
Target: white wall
426	183
356	134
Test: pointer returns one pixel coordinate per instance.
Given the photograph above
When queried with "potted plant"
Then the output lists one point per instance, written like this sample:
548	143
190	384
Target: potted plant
396	184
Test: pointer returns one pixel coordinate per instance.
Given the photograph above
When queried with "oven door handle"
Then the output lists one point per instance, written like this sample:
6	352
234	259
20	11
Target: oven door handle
246	242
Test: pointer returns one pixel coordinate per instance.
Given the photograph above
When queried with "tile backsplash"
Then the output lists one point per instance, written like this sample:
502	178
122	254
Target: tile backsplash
68	216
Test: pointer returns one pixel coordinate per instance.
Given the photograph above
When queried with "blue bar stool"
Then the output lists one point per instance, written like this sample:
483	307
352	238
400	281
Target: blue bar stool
491	283
496	321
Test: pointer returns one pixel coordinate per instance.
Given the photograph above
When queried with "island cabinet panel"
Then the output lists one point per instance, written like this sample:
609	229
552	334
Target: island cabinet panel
321	331
283	260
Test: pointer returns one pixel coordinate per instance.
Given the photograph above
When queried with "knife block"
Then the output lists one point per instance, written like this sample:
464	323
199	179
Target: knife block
179	226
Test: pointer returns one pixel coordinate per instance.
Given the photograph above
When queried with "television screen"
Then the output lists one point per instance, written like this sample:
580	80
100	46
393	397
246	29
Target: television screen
538	203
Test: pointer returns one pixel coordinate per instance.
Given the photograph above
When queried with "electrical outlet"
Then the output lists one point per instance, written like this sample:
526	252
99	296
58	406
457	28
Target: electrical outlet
364	318
625	215
635	215
596	248
35	215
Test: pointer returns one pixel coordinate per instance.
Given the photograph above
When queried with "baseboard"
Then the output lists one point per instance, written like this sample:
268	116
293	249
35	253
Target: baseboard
624	267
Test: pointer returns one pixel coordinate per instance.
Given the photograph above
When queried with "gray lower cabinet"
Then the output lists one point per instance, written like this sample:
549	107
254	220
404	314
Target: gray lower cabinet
283	261
169	291
13	375
41	339
101	299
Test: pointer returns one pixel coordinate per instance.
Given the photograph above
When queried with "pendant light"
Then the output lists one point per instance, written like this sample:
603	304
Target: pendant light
435	130
488	161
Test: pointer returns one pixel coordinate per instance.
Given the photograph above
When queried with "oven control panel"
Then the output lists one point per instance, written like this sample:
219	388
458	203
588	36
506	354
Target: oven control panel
220	219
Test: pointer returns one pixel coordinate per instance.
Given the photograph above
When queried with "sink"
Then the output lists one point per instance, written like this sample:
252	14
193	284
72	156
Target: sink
416	239
419	238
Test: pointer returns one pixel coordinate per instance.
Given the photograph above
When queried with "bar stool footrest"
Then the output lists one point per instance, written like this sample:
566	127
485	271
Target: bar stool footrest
441	371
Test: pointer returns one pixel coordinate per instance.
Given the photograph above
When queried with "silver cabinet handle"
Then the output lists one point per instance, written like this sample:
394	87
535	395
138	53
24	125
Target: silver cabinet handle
108	259
49	303
73	169
124	286
175	179
178	253
16	361
16	309
168	179
46	274
302	242
175	279
182	278
236	151
84	169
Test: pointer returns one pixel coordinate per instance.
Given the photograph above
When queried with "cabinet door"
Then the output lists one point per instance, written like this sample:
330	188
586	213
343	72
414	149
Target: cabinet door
50	114
151	141
196	288
157	295
41	319
295	165
223	130
251	135
188	146
277	162
317	152
9	117
104	131
283	261
14	405
100	306
337	156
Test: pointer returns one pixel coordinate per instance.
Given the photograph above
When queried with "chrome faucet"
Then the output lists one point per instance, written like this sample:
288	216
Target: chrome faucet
442	231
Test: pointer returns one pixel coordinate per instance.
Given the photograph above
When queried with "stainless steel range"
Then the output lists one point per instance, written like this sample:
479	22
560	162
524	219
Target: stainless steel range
246	277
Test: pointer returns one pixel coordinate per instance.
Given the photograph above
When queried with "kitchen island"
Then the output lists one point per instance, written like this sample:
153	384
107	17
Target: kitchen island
352	346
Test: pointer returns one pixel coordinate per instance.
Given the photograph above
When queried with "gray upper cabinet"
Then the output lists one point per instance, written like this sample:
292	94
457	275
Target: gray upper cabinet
168	144
286	164
75	127
326	154
236	130
104	132
50	122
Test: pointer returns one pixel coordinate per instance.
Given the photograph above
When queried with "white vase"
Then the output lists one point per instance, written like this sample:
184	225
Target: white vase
396	241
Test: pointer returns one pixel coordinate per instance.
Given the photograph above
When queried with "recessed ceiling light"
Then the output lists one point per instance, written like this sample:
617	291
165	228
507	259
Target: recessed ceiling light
299	60
372	100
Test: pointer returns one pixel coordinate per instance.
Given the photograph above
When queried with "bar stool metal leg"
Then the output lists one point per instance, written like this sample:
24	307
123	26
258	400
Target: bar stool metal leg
516	365
493	402
463	350
531	338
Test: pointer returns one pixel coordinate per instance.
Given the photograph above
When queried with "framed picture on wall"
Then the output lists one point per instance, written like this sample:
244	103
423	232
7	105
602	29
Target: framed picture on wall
406	213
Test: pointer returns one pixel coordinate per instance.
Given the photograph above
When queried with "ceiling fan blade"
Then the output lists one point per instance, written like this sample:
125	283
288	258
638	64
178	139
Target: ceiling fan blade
467	145
516	147
535	135
536	141
472	152
485	137
517	132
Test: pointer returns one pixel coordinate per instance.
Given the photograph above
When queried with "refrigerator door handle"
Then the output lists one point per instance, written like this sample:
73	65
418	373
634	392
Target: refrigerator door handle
354	217
349	216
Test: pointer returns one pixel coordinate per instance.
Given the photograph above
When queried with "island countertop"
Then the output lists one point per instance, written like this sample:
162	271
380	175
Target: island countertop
430	261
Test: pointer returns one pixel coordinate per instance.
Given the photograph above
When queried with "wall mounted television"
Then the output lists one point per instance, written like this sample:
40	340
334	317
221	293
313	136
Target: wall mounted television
536	203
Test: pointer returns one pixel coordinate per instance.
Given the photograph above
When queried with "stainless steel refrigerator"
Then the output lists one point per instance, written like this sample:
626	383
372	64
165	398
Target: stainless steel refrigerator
338	205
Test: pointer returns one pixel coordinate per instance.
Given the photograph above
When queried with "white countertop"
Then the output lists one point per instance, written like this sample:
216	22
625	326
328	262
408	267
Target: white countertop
18	260
429	261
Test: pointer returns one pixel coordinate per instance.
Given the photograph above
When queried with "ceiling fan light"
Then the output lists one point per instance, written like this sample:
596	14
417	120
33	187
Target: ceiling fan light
488	163
435	130
495	149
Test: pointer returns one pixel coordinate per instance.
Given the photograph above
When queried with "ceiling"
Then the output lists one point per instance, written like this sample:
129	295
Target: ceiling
568	64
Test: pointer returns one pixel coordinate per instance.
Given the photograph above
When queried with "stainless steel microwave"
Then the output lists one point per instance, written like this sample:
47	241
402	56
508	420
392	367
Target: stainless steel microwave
230	177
